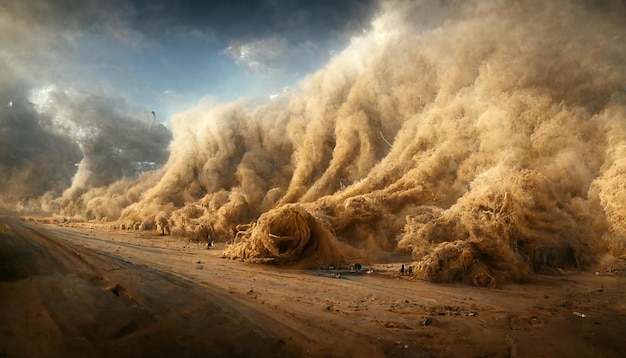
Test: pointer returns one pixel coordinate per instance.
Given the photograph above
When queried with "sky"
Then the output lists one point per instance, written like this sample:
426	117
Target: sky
163	56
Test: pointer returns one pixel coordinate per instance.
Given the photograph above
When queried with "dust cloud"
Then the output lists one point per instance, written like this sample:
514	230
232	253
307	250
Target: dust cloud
487	138
95	144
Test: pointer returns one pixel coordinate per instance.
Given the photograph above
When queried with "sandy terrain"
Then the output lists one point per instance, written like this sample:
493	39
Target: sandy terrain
87	292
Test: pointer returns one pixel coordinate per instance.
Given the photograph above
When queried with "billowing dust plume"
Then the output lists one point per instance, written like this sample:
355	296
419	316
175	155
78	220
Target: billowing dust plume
487	138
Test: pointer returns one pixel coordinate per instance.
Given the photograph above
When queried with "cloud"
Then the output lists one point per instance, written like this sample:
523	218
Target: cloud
202	35
52	139
258	55
112	135
33	160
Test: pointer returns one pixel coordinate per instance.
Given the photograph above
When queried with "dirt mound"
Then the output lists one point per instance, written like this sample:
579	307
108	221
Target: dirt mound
494	236
289	235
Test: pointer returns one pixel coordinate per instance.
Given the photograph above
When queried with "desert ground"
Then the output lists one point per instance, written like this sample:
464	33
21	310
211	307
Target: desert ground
86	292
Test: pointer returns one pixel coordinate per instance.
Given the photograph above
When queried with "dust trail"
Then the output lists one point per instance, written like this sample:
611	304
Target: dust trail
486	138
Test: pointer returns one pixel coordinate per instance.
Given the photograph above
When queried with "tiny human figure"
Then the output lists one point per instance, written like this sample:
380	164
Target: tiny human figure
402	270
410	271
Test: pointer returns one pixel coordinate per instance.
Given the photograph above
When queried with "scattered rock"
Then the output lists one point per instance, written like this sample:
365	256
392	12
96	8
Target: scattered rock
392	324
116	289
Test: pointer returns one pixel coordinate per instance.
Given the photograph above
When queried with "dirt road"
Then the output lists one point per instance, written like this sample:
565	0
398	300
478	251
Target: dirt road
87	292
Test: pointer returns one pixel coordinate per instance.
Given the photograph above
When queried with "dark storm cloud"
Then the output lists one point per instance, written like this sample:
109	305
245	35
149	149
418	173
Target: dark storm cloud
32	159
51	140
56	127
226	20
241	20
114	144
258	35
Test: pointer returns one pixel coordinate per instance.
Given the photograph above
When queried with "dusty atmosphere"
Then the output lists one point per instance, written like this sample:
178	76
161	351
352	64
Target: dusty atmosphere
478	146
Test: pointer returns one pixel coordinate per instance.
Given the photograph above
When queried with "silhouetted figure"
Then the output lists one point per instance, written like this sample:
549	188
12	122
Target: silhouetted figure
402	270
410	270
